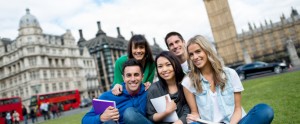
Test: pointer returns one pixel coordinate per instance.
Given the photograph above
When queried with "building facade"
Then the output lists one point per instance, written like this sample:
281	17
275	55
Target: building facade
37	63
266	42
106	50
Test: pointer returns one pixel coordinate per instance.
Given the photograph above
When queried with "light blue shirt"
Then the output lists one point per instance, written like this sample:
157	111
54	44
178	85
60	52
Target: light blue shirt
225	98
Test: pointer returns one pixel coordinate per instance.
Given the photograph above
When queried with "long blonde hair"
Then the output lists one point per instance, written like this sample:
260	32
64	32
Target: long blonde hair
217	66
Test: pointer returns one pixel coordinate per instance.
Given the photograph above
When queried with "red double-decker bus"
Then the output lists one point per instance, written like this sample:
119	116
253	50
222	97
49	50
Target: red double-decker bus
69	99
9	105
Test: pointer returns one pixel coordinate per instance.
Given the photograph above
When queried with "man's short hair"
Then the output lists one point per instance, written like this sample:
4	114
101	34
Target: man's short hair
131	62
173	34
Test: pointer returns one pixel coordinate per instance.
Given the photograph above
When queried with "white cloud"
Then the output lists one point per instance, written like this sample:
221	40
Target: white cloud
154	18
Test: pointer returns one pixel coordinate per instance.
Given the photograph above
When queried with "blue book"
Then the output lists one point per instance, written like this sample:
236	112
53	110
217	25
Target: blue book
101	105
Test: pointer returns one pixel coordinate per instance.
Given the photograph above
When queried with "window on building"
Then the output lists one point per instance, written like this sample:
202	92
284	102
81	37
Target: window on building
26	89
52	73
30	49
45	74
77	73
54	51
43	60
63	62
15	80
17	93
67	85
20	78
46	87
50	62
24	77
60	86
32	61
65	73
21	92
79	84
4	95
54	87
58	73
56	62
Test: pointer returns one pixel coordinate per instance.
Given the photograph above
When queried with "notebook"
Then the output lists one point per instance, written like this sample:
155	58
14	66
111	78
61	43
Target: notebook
100	105
159	104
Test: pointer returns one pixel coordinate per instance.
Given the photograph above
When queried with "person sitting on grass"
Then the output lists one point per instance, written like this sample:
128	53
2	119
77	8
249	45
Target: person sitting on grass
213	91
130	104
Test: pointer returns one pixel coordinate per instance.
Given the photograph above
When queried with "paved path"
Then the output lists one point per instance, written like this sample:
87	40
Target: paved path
66	113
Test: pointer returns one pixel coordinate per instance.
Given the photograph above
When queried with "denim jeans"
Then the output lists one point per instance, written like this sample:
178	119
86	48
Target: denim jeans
25	119
259	114
133	116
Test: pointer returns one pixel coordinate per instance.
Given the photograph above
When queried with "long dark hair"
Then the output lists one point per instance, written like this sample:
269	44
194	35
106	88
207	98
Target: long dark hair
179	75
140	40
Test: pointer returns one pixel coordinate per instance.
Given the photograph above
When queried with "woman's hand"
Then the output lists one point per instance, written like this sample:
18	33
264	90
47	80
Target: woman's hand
178	122
117	90
192	118
170	106
147	85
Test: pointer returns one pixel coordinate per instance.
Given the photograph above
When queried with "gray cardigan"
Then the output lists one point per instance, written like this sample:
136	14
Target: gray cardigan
156	90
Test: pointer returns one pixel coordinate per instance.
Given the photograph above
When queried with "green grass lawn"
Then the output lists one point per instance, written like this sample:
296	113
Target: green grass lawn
281	92
278	91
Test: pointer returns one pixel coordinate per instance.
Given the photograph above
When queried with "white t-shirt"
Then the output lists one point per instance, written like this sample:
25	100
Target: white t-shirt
185	67
235	83
218	117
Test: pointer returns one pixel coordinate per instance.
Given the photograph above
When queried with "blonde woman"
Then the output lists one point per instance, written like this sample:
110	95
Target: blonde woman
213	92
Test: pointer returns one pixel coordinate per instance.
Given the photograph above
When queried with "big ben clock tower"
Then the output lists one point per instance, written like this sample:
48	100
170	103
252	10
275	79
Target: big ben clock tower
223	30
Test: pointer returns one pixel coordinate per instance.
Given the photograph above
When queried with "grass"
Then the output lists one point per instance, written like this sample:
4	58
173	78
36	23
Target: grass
278	91
281	92
71	119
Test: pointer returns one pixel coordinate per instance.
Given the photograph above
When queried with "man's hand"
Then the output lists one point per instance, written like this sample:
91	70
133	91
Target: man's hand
147	85
170	106
110	113
117	90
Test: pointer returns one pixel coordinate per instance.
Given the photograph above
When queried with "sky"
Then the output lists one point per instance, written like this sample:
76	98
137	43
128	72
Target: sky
153	18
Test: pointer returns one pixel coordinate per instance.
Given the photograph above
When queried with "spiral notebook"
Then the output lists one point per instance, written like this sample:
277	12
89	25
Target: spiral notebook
100	105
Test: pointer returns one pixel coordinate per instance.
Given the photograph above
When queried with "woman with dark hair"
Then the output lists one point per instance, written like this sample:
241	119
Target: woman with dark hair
139	49
170	75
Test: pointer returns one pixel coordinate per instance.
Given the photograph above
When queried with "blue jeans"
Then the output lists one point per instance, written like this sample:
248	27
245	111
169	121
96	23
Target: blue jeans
25	119
259	114
133	116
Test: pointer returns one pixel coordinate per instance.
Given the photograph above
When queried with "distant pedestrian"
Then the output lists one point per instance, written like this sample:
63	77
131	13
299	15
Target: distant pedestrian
25	114
54	110
60	109
44	109
16	117
32	114
8	118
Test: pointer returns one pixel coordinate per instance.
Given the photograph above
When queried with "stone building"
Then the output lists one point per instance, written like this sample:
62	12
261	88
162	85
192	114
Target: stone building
106	50
37	63
266	42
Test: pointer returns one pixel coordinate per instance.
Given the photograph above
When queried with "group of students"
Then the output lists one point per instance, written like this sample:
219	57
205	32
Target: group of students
199	85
